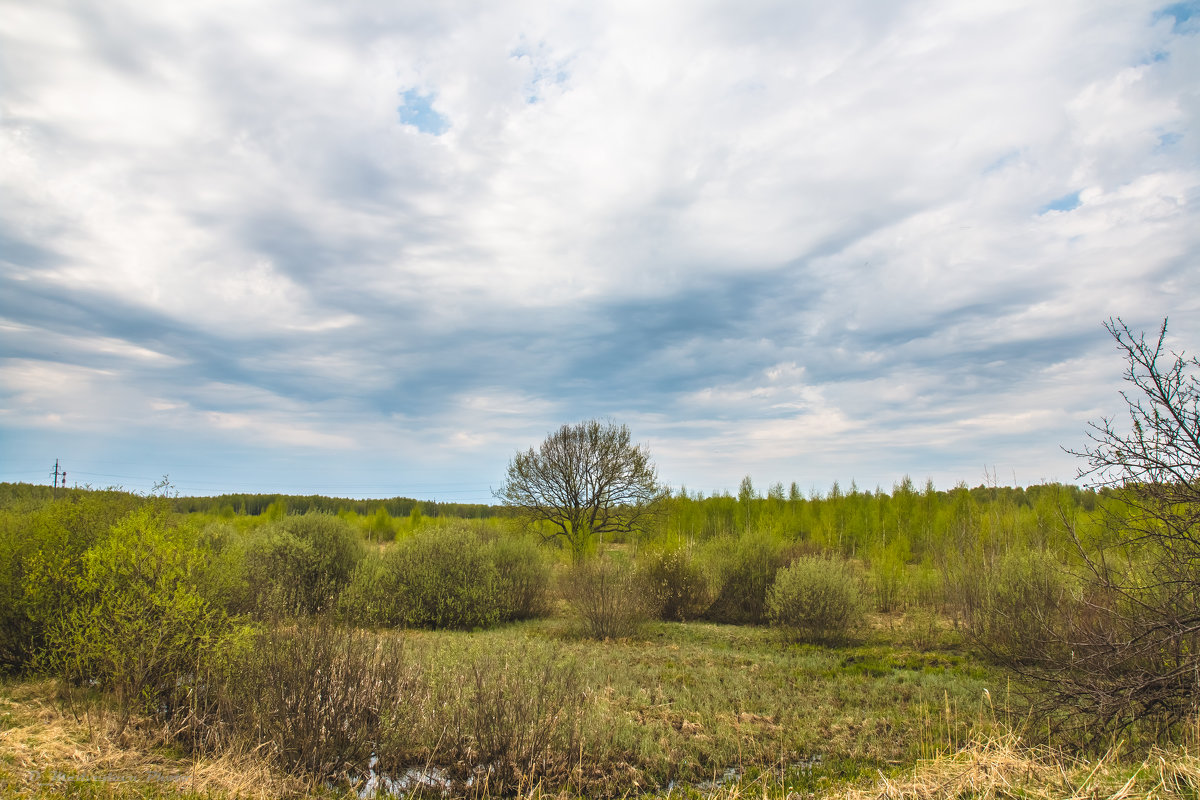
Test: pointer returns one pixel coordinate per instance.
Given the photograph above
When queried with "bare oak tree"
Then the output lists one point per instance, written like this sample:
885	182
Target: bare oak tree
1128	649
584	481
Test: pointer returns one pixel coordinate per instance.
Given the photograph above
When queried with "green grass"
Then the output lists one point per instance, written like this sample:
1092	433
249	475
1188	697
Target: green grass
691	702
684	707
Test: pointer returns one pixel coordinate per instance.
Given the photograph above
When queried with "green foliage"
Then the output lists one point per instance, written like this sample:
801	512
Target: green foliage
523	577
370	597
1021	606
139	623
224	579
276	511
888	579
301	564
42	543
380	526
450	577
816	599
677	584
439	577
744	568
444	579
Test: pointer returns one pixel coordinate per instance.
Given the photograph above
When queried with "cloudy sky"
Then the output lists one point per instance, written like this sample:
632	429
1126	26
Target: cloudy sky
372	249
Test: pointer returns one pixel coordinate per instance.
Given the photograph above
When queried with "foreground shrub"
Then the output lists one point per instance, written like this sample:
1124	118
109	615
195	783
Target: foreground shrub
370	597
743	572
609	597
1017	609
139	625
677	585
444	579
816	600
300	563
41	559
449	577
313	698
523	578
499	716
440	577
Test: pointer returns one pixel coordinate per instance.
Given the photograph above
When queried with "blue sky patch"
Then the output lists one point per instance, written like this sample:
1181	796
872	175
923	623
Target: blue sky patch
1168	139
1068	202
1185	16
418	111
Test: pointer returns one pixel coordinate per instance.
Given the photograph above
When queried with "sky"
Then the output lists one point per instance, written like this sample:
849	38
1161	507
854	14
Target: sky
373	249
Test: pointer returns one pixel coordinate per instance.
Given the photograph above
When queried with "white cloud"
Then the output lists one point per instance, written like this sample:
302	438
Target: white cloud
227	213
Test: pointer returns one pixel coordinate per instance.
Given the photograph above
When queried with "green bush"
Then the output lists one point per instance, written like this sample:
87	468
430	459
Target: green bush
677	584
744	570
816	599
449	577
379	526
41	558
370	596
439	577
224	579
139	624
609	597
445	579
300	563
888	579
1019	607
523	578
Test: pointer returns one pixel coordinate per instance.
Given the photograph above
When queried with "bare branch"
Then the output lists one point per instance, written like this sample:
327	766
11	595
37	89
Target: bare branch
583	481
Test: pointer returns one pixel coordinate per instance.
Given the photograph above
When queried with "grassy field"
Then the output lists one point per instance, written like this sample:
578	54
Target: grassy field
686	709
683	705
293	655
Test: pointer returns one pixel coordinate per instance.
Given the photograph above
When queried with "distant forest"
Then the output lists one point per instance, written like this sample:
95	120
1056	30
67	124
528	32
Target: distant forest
255	504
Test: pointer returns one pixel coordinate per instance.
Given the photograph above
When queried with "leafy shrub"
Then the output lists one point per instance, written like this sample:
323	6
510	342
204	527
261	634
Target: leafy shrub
41	558
224	579
523	578
888	576
370	596
300	563
1018	608
744	571
608	596
449	577
816	599
380	526
677	585
444	579
139	623
440	577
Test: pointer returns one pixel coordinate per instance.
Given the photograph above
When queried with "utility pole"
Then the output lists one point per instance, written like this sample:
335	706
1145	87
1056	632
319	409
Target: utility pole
57	475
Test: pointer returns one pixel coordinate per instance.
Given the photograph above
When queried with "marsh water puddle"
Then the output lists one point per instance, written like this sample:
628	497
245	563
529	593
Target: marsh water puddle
431	780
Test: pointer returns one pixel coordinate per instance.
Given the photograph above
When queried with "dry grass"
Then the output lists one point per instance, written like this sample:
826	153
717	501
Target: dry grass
43	745
1005	768
41	742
